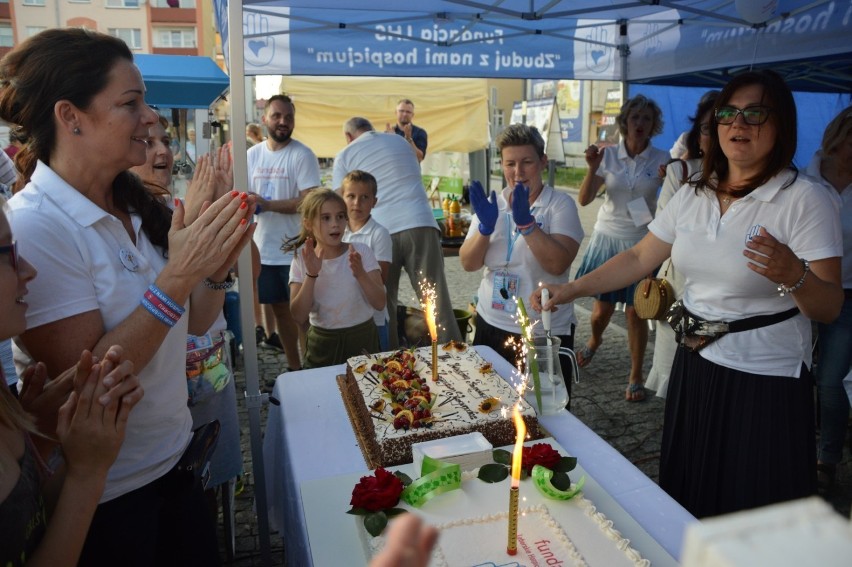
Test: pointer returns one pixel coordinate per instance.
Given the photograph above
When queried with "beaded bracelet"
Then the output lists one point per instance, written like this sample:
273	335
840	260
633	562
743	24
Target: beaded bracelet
784	290
226	284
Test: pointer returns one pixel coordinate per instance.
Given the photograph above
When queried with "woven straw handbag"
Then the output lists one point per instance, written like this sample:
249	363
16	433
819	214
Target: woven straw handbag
653	297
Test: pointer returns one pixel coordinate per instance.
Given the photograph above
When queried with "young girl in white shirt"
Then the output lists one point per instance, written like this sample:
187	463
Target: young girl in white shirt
334	286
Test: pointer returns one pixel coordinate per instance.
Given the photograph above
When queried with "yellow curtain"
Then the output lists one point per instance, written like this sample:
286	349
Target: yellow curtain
454	112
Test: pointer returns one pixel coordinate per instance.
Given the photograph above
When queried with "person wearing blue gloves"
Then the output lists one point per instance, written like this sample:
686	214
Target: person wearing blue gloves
527	235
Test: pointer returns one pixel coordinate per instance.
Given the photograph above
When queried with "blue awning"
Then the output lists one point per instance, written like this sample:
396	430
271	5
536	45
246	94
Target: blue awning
181	81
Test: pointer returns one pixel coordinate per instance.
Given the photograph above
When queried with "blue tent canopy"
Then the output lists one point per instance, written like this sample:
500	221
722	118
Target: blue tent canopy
181	81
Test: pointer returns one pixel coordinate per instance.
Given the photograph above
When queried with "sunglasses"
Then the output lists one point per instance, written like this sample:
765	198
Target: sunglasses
12	251
753	115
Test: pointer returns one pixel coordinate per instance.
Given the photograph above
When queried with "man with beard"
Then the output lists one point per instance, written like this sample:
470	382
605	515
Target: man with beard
414	135
281	172
404	210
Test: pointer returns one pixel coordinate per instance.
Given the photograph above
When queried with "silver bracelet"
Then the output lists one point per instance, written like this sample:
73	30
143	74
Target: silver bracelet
784	290
223	285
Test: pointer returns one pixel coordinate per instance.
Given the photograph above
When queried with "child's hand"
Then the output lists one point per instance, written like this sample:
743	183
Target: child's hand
312	260
355	263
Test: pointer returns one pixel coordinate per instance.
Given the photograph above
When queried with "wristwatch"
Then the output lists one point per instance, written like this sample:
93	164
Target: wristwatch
228	282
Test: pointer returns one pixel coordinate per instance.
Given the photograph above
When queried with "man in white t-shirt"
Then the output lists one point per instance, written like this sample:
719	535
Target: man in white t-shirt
281	171
404	210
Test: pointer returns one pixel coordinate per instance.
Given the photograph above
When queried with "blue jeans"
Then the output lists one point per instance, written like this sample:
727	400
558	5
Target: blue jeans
835	359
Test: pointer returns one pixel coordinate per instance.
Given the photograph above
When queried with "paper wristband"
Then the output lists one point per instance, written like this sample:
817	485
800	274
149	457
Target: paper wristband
437	478
541	478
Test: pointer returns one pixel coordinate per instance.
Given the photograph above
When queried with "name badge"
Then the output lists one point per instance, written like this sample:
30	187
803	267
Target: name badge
128	260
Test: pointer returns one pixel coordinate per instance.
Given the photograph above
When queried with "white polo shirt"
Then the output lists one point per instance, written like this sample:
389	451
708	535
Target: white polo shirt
86	261
627	179
555	213
378	239
387	157
844	202
278	175
719	286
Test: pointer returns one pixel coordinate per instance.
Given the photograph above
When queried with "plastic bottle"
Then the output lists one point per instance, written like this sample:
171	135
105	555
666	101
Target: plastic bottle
455	218
445	206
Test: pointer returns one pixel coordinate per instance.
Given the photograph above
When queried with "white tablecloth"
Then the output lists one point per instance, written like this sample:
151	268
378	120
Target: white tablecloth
309	437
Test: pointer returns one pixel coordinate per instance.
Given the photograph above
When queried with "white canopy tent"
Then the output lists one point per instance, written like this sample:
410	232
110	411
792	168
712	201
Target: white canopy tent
695	42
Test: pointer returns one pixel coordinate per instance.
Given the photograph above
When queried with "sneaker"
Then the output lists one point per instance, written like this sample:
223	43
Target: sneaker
259	335
274	342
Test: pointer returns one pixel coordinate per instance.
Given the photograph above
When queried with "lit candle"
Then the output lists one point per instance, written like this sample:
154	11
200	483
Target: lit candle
521	433
427	295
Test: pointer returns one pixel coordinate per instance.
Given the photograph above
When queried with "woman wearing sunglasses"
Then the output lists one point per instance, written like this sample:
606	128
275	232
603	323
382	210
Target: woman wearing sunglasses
760	249
91	427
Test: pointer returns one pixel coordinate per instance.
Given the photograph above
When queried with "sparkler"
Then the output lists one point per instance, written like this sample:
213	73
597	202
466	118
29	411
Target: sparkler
517	454
427	302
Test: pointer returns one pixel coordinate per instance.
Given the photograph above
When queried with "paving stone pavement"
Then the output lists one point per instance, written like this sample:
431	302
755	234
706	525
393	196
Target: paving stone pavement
634	429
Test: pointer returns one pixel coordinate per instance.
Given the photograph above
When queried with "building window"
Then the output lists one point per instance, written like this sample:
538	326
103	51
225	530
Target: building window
122	4
33	30
173	4
33	2
174	37
131	36
7	38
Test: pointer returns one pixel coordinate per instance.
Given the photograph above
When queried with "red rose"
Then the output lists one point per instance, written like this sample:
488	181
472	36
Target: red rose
379	492
539	454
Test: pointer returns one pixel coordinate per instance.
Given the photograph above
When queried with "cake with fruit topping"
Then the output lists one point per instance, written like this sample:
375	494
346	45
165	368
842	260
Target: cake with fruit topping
393	401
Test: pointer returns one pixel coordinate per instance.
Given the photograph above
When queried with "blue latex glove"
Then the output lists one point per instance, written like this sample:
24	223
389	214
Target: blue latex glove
484	207
521	206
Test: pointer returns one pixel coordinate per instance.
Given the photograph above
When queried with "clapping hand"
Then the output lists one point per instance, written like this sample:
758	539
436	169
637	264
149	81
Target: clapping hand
91	423
485	208
201	189
355	263
312	260
521	206
594	157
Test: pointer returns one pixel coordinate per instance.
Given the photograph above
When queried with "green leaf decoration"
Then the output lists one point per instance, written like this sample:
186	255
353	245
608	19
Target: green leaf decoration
358	511
493	473
502	456
391	512
375	523
542	478
566	464
560	481
406	480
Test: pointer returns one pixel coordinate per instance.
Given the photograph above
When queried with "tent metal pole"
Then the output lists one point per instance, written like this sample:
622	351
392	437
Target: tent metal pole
254	399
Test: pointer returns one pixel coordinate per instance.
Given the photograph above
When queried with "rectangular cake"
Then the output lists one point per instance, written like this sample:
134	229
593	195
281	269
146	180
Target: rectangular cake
473	526
393	401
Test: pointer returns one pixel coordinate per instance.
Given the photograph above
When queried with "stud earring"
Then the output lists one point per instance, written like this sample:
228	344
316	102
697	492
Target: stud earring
76	131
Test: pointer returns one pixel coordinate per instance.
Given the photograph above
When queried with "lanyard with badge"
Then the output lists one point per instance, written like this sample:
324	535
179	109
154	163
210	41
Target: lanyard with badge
504	290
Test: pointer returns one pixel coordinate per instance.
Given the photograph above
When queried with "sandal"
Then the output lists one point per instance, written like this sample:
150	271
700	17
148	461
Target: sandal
584	356
634	392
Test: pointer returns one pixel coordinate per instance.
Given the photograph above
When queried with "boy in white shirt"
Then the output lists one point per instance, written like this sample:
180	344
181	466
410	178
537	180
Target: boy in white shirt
359	190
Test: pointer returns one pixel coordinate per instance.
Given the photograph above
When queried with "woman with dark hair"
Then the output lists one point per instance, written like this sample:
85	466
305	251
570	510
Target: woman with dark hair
677	174
832	168
760	250
630	173
117	267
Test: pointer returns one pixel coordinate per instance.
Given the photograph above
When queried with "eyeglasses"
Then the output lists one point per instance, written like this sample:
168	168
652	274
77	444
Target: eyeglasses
754	115
704	128
12	251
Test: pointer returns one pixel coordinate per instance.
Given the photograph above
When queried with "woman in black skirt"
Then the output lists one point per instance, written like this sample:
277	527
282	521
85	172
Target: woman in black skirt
759	246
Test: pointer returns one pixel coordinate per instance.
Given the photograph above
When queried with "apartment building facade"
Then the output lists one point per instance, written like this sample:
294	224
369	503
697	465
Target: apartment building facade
174	27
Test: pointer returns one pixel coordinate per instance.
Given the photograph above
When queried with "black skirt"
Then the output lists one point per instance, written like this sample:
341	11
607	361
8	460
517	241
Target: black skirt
734	440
